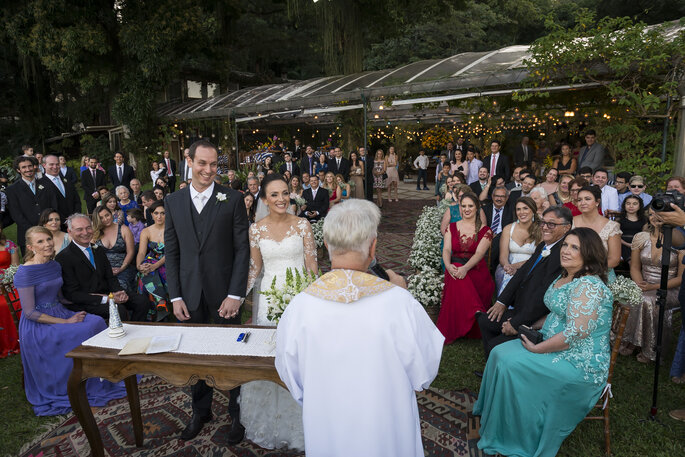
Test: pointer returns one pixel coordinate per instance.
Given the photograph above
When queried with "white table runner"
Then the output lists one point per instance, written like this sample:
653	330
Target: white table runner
197	340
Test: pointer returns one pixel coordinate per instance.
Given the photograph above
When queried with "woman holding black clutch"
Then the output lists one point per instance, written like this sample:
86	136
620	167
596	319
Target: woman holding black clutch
533	395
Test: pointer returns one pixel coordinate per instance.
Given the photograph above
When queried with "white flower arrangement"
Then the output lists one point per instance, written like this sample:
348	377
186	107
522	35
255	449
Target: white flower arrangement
626	291
317	230
426	286
220	197
425	250
7	276
280	297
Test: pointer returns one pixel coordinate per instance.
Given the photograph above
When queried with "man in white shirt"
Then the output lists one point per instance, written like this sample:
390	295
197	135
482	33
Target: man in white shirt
421	164
353	348
609	194
515	184
474	165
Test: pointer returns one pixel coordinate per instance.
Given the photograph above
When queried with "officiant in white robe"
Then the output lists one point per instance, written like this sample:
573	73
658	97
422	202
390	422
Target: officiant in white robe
353	348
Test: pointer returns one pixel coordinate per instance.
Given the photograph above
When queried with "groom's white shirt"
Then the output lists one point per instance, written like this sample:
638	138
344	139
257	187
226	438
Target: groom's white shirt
352	350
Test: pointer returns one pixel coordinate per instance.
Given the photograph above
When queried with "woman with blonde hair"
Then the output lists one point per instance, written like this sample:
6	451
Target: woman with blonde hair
379	176
335	193
346	191
392	164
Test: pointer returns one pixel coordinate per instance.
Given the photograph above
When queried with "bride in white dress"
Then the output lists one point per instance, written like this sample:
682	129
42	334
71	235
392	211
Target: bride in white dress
272	419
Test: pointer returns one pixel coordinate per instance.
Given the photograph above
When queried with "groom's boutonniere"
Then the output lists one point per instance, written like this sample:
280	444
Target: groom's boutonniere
220	197
40	187
545	252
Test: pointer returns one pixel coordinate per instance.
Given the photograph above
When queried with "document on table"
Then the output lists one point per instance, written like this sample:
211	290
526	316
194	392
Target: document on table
151	345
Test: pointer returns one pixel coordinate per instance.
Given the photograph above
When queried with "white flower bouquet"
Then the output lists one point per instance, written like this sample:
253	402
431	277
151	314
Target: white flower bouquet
7	276
626	291
426	286
317	229
279	297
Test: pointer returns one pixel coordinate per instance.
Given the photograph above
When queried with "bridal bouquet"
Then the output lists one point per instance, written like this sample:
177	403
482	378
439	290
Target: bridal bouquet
7	276
626	291
279	297
317	229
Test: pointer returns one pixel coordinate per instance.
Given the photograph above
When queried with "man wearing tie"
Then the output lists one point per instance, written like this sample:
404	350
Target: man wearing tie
308	161
68	201
91	179
170	165
289	166
67	172
498	215
523	154
339	165
27	198
297	150
496	163
316	199
449	152
120	174
185	168
592	155
527	287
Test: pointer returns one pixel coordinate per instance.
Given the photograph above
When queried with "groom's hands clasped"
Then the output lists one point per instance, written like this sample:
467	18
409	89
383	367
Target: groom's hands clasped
229	308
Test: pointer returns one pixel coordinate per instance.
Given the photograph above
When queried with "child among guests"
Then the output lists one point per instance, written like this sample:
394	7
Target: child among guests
134	217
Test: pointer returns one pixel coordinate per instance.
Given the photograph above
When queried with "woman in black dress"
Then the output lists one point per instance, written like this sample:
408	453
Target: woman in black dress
632	221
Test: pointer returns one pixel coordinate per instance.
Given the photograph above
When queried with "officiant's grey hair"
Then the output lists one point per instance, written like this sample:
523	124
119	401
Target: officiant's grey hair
351	226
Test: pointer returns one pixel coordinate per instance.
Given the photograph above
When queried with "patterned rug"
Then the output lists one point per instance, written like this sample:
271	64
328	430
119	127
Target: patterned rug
445	426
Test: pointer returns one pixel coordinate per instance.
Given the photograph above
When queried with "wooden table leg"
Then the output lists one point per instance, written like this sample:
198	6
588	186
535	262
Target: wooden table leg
76	388
134	402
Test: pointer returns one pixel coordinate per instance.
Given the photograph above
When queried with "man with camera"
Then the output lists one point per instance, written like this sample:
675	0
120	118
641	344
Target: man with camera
670	208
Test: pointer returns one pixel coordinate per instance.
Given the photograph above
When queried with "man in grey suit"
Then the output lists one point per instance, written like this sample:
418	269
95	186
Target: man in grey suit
207	261
592	155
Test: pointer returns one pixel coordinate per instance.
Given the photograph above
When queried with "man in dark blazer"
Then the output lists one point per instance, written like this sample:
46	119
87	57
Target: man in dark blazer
308	162
316	200
339	164
91	179
525	291
298	150
170	167
498	215
88	278
527	184
500	161
67	173
120	174
185	172
207	261
68	201
523	153
592	155
289	165
478	186
27	198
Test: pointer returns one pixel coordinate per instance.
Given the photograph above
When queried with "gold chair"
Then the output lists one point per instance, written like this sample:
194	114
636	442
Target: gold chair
618	325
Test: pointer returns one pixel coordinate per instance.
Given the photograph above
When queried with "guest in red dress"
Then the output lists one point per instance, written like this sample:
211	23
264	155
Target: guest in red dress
468	284
9	338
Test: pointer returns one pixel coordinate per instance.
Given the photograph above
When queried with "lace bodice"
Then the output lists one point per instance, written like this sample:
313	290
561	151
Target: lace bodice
581	310
294	250
610	229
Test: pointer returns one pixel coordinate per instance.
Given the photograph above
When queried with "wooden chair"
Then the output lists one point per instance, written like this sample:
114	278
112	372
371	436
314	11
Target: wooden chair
618	326
12	299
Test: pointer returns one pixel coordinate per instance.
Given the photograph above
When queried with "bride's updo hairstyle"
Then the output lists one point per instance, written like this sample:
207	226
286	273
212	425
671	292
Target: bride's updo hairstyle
351	226
271	177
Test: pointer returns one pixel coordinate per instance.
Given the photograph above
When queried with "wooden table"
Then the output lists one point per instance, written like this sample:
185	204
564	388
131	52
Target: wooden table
221	372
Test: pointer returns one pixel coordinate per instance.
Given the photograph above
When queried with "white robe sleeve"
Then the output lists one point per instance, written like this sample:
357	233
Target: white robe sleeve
422	348
287	363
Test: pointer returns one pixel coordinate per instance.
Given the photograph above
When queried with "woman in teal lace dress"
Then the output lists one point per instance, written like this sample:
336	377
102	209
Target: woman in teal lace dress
150	263
533	395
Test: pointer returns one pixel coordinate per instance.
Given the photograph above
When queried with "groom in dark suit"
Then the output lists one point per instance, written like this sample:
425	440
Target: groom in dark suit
525	291
207	261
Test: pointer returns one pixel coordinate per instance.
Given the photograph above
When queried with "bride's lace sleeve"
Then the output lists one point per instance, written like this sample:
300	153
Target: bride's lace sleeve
255	258
310	260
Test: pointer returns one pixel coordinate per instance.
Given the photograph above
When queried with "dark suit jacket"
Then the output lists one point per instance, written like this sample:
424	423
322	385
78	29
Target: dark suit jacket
502	167
182	170
343	169
68	204
525	292
475	187
304	164
217	263
320	203
507	215
89	186
295	167
518	156
70	175
81	280
25	207
128	175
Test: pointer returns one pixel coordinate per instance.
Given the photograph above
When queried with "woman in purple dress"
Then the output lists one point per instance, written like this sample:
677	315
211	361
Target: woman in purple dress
48	331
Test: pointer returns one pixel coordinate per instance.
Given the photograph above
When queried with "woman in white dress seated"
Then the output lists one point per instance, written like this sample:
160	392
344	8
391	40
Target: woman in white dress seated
272	419
518	241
